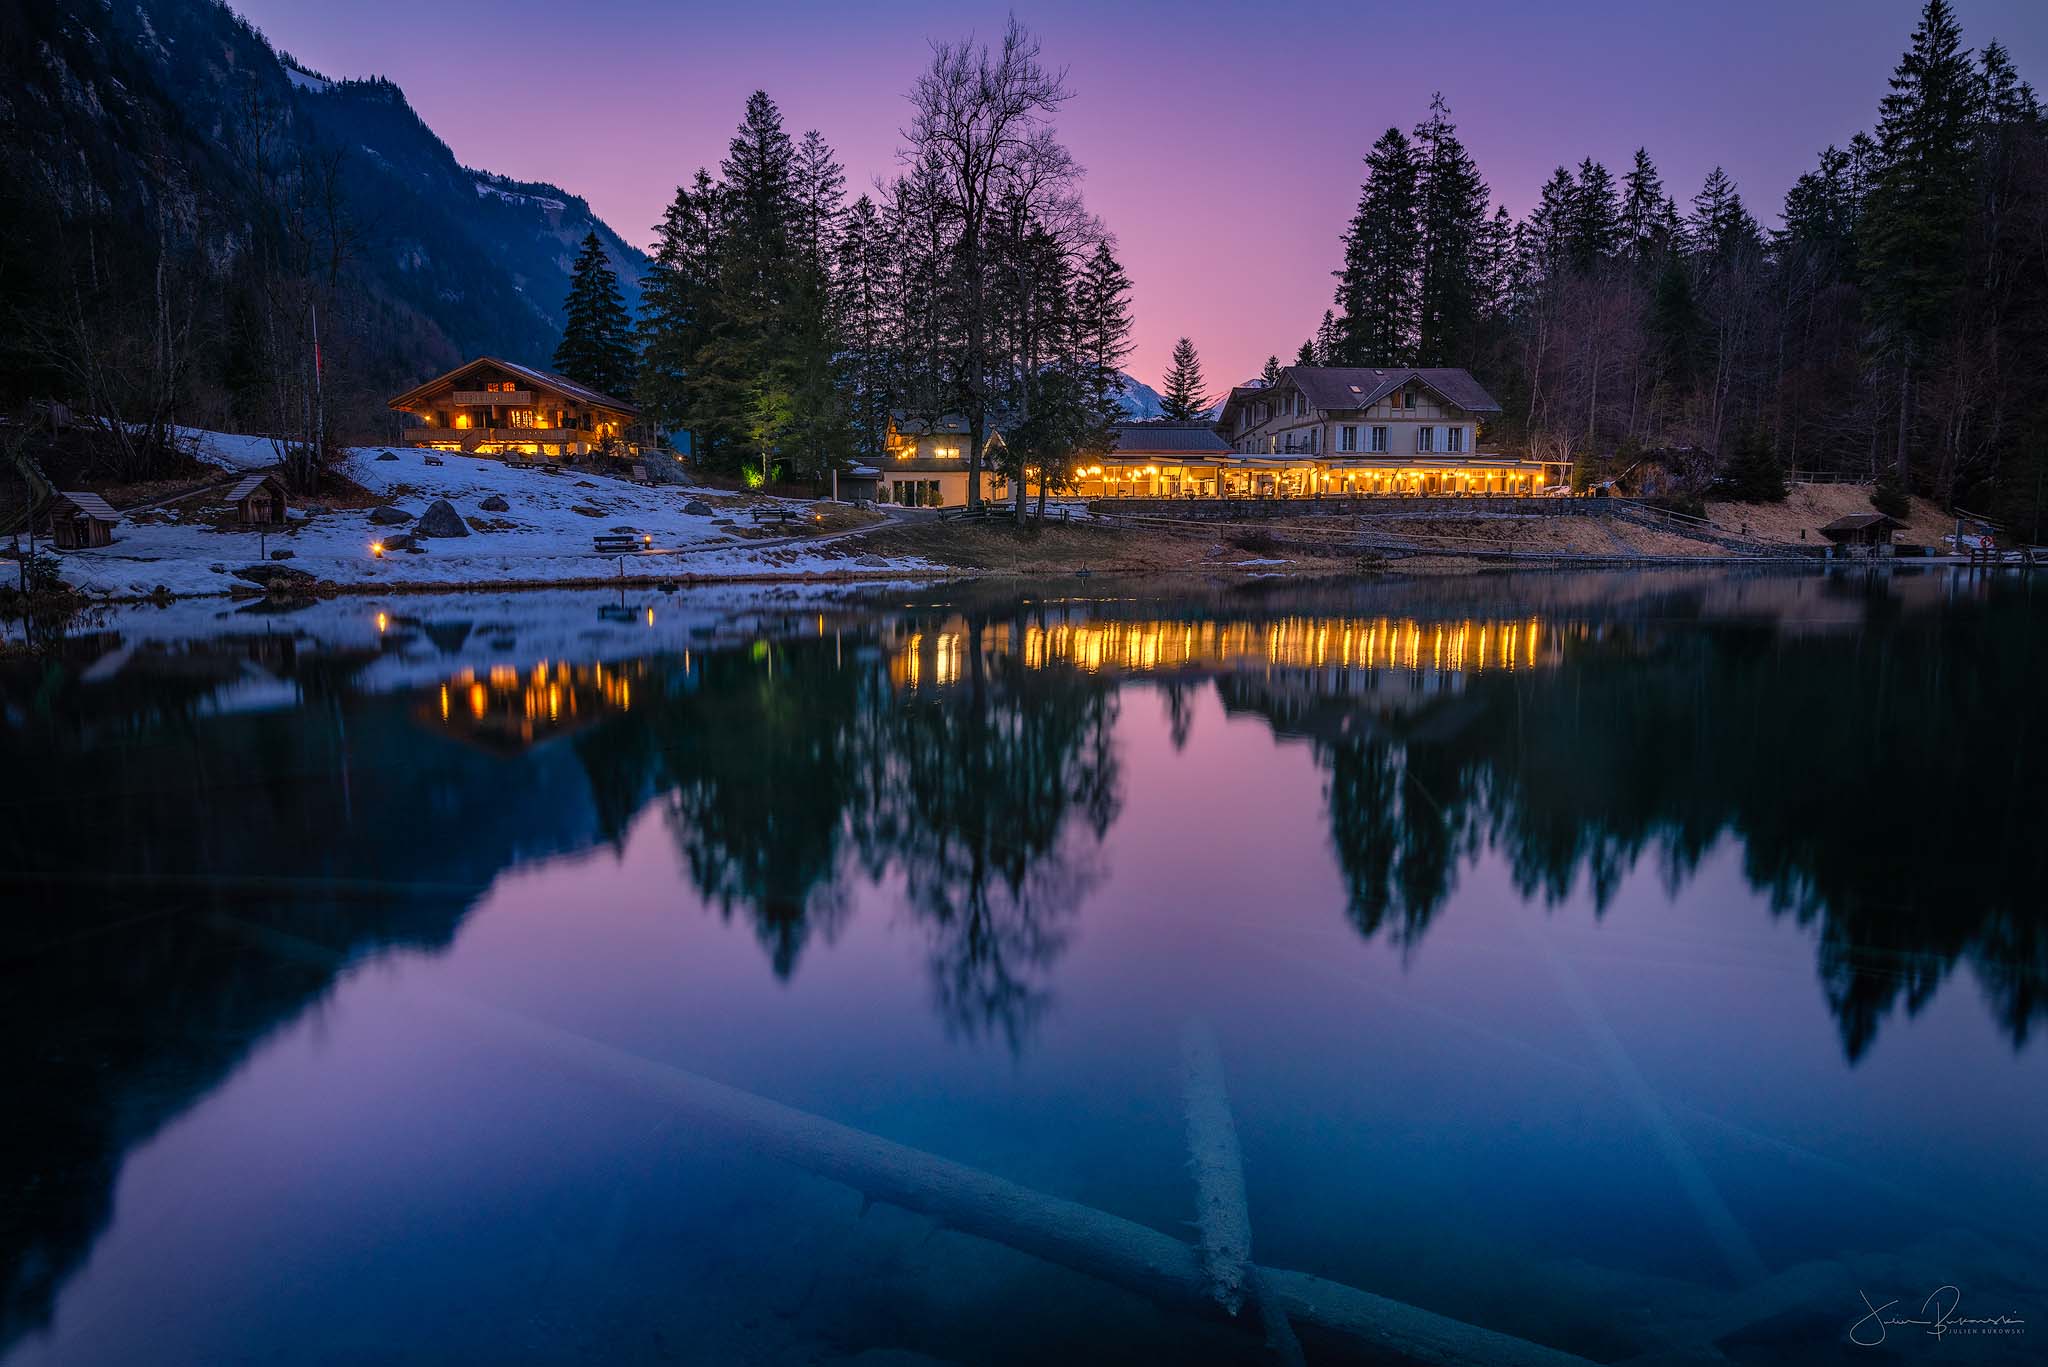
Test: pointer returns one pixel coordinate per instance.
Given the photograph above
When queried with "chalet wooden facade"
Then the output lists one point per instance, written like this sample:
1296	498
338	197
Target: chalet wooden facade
924	462
493	407
1363	430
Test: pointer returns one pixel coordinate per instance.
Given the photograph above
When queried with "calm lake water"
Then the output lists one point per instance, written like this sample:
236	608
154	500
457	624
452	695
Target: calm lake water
1621	962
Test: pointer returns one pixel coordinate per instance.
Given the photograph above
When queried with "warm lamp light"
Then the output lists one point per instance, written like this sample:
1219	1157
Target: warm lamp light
377	548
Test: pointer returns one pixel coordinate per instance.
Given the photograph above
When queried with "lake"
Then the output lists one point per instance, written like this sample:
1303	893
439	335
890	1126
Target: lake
1627	963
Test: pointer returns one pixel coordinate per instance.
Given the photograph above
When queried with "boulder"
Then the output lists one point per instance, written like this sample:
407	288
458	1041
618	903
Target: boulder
873	562
387	455
401	542
441	519
697	507
390	517
432	460
627	531
280	555
495	504
276	577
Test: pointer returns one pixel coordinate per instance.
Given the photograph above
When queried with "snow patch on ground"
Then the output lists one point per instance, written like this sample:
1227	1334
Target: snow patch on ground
544	536
303	80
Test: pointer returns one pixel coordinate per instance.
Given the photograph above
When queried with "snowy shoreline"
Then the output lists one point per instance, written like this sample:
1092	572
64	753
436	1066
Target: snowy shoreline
524	528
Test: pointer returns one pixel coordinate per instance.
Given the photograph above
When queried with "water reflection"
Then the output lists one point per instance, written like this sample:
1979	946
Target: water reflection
1877	752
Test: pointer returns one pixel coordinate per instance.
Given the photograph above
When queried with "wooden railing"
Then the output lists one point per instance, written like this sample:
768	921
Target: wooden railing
483	398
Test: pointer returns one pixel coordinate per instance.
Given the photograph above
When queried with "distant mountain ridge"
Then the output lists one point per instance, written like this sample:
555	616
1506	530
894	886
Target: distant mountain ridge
1142	403
176	121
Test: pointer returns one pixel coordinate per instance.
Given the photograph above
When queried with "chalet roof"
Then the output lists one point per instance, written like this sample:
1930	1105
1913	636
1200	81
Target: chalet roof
92	505
1856	522
250	484
1335	388
1178	438
927	425
541	379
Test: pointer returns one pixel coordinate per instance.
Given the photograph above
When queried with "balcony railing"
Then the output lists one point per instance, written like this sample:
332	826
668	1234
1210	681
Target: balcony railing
483	398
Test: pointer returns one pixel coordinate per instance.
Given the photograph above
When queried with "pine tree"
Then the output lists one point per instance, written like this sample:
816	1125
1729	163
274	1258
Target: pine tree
1329	339
1102	328
1451	211
1269	374
1641	221
1913	235
1382	256
597	342
1307	354
1595	221
1182	397
687	379
867	290
1755	474
1720	229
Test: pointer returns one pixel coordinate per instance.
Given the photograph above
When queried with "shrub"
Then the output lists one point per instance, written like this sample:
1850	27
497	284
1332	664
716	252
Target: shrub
1888	496
1755	474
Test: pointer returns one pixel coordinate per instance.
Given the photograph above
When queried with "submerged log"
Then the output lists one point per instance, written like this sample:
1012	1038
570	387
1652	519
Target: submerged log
1082	1238
1222	1216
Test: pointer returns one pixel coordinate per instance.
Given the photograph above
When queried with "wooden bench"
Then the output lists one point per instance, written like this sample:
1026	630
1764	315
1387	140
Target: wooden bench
617	543
781	517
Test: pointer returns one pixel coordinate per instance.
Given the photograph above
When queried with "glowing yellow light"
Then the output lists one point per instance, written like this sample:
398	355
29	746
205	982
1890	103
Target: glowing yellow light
382	622
477	700
650	617
377	548
444	702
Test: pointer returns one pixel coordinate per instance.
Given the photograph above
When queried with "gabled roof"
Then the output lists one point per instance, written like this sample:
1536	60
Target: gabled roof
92	505
541	379
1856	522
910	424
249	485
1176	438
1336	388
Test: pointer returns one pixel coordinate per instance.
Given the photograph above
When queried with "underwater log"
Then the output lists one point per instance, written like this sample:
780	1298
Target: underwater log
1066	1233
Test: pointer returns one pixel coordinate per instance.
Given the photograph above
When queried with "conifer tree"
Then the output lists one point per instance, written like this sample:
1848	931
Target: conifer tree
1328	339
1641	222
1913	239
1102	328
1595	220
1182	397
866	284
1451	211
597	343
1376	289
1270	372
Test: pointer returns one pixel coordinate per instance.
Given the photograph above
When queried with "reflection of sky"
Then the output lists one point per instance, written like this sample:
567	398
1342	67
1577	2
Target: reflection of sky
1447	1129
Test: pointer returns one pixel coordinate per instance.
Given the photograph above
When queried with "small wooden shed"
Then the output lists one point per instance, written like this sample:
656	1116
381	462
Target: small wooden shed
1861	529
79	519
260	499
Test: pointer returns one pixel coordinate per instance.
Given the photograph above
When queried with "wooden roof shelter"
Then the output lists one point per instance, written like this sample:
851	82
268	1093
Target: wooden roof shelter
79	519
1861	529
261	498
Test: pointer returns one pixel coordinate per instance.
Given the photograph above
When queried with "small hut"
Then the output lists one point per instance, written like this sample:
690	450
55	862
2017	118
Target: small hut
79	519
1861	530
260	499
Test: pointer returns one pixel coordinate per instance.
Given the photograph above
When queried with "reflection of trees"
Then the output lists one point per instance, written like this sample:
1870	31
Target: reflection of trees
1886	786
978	784
791	765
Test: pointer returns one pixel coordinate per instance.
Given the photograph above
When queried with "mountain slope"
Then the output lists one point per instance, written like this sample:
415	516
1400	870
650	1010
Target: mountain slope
165	146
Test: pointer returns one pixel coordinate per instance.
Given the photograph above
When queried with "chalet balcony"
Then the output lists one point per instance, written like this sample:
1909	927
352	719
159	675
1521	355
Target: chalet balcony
485	398
469	439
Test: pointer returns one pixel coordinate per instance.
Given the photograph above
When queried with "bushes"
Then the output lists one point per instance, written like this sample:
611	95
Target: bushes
1755	474
1888	496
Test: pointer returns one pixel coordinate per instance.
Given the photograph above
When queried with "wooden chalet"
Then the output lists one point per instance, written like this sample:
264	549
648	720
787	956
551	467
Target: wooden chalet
78	519
493	407
260	500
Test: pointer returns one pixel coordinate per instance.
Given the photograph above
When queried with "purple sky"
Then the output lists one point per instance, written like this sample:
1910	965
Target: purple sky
1222	143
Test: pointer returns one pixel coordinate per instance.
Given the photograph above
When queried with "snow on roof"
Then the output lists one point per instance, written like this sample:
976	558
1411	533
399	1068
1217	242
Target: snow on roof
249	485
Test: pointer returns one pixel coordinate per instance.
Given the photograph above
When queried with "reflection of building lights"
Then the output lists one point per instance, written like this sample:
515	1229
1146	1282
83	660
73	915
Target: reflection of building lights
383	622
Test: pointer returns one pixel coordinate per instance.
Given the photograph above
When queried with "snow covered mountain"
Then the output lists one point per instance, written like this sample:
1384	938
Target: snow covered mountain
1141	402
